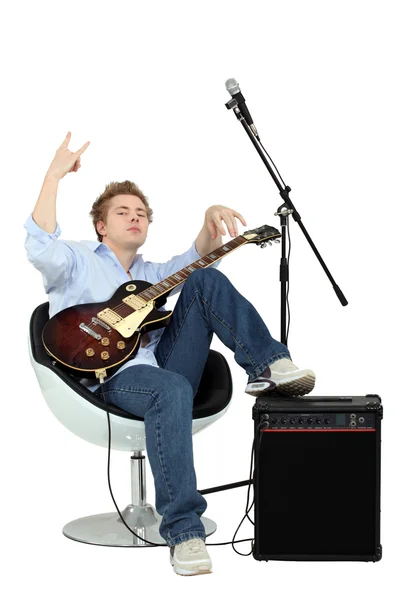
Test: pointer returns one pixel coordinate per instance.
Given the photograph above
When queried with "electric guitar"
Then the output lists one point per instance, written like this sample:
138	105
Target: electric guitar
96	338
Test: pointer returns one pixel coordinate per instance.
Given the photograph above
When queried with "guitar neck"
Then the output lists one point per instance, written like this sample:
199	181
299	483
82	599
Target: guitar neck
159	289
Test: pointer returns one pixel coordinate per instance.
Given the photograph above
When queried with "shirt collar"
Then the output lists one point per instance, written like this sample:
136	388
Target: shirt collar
92	244
101	247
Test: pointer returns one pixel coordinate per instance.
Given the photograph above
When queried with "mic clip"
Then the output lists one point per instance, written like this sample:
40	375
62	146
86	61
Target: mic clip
232	103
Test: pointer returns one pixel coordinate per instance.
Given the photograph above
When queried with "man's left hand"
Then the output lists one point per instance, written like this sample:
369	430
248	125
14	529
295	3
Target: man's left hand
216	214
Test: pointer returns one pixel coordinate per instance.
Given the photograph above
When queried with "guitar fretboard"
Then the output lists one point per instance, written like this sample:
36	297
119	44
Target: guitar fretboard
179	277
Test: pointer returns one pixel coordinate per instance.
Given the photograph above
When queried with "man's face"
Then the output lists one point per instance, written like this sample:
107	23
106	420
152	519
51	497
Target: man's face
126	211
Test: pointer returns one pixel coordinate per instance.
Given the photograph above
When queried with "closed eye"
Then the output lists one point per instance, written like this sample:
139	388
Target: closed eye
124	213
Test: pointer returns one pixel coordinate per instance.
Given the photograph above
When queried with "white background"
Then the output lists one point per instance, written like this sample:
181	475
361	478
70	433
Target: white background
145	83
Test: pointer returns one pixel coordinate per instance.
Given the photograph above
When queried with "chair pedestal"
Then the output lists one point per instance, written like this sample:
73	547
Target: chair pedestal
108	529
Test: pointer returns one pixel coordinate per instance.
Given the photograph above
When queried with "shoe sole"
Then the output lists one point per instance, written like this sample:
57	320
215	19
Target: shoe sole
197	570
295	387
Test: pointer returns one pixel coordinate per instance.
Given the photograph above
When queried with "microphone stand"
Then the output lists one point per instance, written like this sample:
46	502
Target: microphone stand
284	210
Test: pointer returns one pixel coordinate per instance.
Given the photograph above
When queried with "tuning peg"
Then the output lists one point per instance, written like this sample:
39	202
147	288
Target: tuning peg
277	241
269	243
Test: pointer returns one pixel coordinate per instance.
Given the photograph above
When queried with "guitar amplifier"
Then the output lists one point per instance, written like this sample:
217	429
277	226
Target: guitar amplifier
317	478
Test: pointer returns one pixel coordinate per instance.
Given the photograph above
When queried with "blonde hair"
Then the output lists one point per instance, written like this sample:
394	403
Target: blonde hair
102	204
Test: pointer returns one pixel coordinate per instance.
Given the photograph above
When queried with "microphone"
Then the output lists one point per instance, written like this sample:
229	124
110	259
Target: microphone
233	88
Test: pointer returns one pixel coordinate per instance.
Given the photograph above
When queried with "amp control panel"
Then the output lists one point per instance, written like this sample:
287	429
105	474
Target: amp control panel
319	421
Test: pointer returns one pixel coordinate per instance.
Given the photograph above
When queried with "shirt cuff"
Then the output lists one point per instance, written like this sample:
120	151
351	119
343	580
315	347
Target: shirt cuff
33	229
195	251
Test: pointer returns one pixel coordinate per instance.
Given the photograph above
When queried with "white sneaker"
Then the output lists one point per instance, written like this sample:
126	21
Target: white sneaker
284	377
190	558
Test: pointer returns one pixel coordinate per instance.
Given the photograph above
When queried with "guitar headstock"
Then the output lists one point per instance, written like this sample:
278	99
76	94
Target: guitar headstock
262	235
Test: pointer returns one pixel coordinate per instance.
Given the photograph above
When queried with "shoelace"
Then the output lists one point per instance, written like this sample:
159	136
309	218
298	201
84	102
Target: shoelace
193	545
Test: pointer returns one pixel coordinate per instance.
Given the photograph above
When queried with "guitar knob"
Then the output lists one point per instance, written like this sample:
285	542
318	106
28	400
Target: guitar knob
121	345
104	355
105	341
89	352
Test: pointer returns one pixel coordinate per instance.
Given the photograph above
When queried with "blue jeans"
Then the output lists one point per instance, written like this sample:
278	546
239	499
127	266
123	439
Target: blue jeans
208	304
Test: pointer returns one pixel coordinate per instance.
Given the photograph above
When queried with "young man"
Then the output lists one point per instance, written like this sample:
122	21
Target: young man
160	382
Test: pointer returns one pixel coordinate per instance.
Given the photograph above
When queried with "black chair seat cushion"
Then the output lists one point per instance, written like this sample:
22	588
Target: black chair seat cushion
213	395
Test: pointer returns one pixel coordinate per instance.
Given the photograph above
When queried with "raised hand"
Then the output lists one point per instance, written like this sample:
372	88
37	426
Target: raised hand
64	160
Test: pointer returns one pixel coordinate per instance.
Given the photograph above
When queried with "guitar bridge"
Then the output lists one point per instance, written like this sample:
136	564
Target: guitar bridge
97	321
87	329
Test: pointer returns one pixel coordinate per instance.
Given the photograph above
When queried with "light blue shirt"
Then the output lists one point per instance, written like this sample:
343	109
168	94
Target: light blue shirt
88	271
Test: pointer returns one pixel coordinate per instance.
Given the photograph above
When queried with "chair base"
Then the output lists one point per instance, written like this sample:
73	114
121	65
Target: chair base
107	529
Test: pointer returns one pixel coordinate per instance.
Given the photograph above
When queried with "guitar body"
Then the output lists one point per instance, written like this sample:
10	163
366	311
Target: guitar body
76	348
